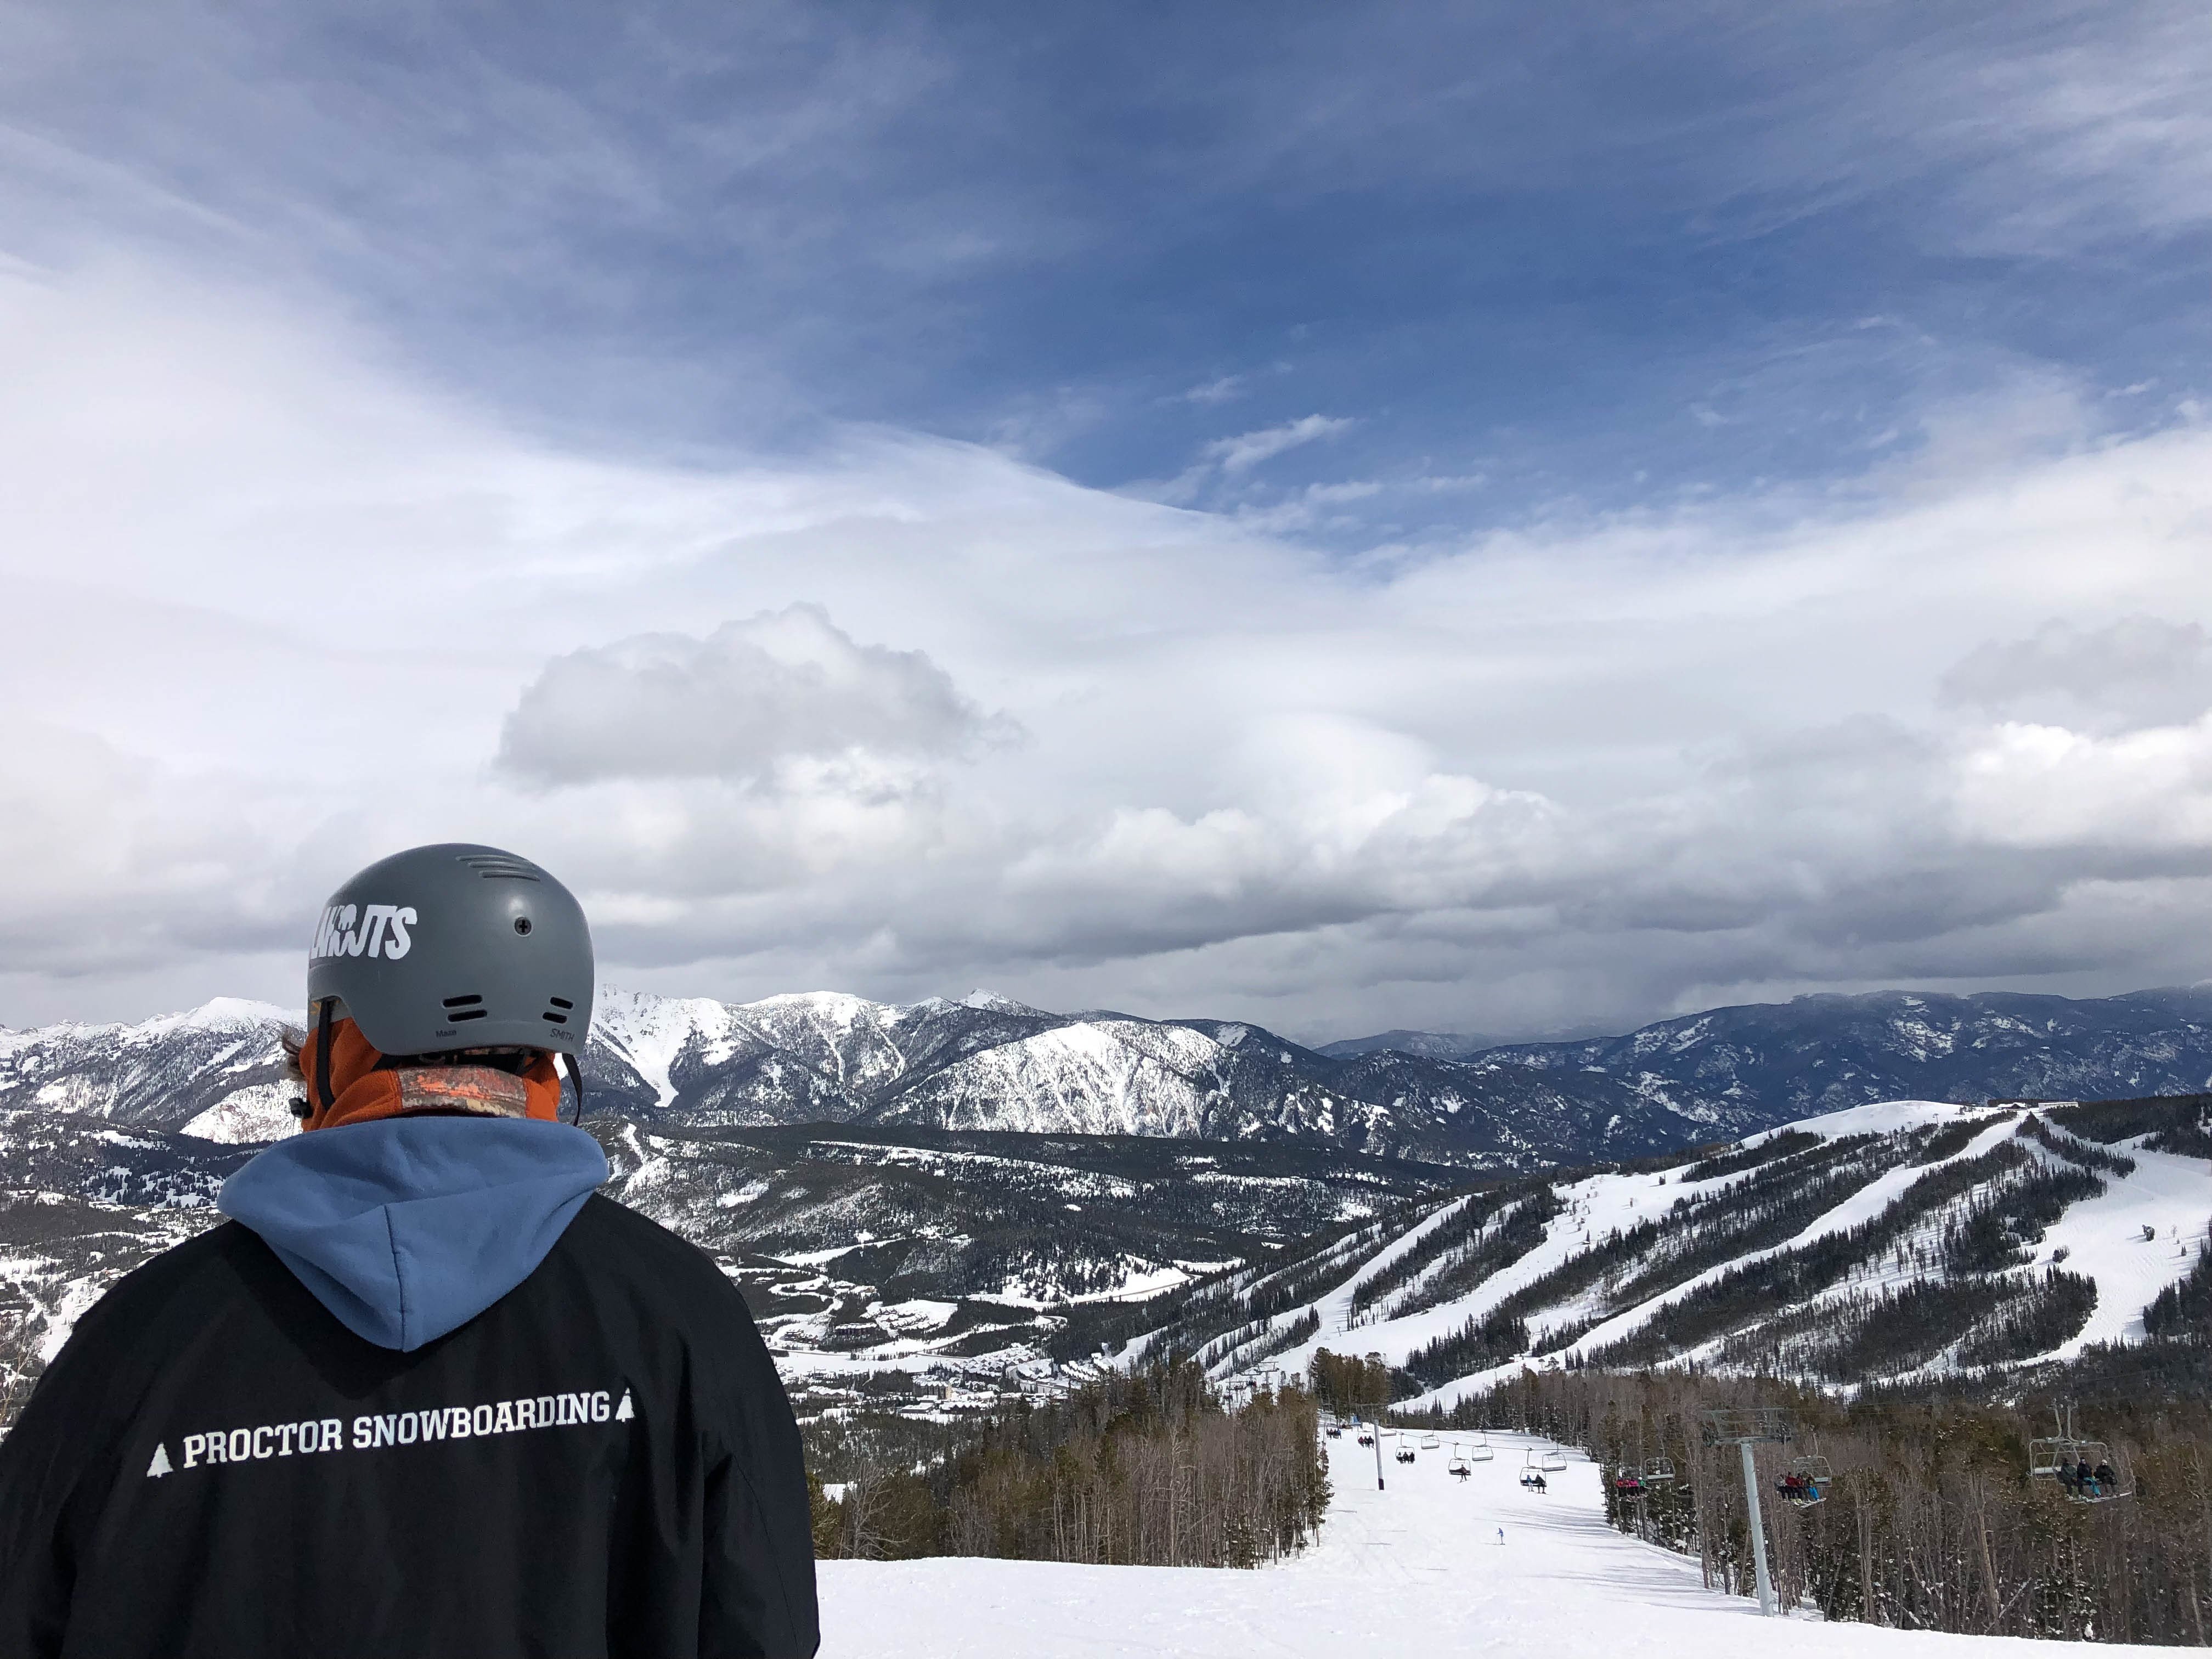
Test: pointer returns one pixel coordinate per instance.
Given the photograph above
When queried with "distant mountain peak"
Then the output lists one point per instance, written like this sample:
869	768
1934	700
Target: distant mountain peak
992	1002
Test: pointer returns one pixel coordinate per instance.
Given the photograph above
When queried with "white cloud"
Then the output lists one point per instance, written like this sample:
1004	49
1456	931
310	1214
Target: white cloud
781	686
276	608
2043	785
2137	671
1227	389
1247	450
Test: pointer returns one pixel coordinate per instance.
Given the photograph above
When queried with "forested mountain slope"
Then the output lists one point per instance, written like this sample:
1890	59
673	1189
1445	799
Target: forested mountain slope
1821	1054
1884	1243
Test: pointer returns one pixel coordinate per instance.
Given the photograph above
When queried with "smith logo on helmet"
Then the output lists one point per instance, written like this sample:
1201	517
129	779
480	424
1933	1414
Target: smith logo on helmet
353	930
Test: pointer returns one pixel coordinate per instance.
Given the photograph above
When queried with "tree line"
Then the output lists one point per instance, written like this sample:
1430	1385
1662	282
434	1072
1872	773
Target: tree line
1145	1469
1932	1521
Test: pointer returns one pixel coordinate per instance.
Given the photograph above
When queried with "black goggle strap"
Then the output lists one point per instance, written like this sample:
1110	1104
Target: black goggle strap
323	1055
576	1077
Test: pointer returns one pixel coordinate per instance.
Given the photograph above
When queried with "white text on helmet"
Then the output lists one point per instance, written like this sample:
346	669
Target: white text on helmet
350	930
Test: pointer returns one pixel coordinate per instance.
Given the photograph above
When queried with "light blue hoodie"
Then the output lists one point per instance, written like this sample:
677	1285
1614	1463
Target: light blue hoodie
407	1228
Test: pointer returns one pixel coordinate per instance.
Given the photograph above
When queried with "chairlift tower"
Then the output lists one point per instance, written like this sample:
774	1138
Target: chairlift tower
1377	1359
1744	1427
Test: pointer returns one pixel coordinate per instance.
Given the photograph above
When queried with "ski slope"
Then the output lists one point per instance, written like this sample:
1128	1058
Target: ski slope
1416	1569
2141	1233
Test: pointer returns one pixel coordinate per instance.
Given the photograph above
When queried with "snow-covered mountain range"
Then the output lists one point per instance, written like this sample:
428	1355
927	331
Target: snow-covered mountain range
983	1062
1823	1054
977	1183
979	1063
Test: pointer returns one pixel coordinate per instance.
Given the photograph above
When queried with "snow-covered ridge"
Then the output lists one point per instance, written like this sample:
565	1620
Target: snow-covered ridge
983	1061
1906	1238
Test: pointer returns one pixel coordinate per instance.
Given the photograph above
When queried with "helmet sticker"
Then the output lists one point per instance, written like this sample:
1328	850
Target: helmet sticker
350	930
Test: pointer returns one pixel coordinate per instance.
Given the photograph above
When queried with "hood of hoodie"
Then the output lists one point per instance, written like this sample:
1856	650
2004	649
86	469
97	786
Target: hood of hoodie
407	1228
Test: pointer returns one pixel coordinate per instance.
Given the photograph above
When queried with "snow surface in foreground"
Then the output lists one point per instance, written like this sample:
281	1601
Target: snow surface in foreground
1415	1570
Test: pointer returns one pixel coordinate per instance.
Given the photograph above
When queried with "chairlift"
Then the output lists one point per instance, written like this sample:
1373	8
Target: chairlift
1629	1483
1659	1472
1808	1481
1482	1451
1459	1467
2085	1470
1430	1442
1553	1460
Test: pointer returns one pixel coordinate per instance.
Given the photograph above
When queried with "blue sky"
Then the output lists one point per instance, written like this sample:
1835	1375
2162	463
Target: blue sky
1685	247
1259	328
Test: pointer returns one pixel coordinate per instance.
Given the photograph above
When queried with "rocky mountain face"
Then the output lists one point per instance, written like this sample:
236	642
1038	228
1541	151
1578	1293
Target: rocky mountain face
980	1064
1823	1054
164	1074
984	1063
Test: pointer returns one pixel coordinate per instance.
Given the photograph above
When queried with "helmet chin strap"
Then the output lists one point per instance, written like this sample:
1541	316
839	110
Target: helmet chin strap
323	1100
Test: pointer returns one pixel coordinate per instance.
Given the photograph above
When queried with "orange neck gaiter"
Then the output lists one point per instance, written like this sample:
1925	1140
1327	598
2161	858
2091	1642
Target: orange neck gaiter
362	1093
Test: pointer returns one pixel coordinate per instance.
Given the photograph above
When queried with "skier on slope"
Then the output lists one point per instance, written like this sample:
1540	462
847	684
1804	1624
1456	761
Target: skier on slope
426	1393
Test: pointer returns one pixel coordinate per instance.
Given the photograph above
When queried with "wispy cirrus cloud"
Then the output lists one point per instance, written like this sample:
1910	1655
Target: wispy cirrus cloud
1249	449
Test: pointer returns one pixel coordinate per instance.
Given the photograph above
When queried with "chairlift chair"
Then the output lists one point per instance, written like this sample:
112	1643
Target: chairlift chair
1482	1451
2116	1480
1553	1460
2051	1456
1808	1481
1430	1442
2062	1456
1659	1472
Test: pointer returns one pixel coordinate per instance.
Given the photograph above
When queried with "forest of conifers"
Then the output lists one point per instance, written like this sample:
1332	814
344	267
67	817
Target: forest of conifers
1932	1521
1145	1469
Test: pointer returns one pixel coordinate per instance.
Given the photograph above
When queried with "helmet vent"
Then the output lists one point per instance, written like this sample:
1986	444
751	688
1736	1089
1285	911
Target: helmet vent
498	867
468	1007
554	1017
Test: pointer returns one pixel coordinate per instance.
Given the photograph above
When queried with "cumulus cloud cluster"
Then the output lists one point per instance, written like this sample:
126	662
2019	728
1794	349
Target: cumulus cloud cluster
777	687
1577	772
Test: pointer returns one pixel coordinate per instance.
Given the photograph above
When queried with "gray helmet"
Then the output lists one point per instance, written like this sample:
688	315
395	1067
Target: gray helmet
456	946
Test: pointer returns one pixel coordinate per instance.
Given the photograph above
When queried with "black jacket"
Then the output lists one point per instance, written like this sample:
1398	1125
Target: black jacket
601	1461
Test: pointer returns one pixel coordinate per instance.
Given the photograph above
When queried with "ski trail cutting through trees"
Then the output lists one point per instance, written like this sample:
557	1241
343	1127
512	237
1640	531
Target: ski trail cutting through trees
1415	1570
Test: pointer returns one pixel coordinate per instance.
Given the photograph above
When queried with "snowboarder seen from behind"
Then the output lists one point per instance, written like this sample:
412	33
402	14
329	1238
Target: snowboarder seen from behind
426	1392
